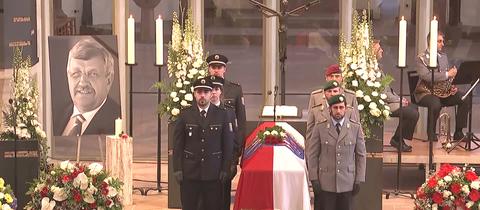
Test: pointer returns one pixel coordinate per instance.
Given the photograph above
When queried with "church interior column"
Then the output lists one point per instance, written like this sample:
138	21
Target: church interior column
270	62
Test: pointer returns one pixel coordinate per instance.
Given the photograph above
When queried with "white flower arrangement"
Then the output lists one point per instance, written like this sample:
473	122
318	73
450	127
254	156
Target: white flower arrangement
362	75
20	115
186	63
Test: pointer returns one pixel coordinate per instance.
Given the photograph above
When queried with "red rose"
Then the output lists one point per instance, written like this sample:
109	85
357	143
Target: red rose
124	136
437	198
455	188
93	205
105	191
446	208
44	192
432	182
108	202
474	195
76	196
66	179
471	176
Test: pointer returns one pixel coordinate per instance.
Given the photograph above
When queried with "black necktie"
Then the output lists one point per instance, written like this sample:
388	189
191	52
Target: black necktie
338	127
203	113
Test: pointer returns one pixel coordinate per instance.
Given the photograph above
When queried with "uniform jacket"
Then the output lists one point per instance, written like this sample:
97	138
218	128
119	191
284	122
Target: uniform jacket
425	74
318	109
233	98
203	146
237	143
336	160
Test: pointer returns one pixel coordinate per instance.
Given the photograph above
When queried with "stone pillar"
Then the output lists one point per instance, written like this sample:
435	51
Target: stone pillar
197	14
147	21
346	10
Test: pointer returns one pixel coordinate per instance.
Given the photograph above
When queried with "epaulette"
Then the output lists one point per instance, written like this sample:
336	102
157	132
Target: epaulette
317	92
318	105
421	57
234	83
349	91
350	107
354	121
322	121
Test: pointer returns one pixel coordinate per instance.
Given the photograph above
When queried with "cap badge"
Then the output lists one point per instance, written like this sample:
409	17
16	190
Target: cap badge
217	57
202	81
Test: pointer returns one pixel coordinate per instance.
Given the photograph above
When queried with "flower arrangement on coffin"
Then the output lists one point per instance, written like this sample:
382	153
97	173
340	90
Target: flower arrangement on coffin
451	188
75	186
362	74
272	135
185	63
7	199
20	115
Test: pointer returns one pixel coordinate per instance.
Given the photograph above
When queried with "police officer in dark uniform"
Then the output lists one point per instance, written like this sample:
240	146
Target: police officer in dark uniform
232	98
202	151
217	83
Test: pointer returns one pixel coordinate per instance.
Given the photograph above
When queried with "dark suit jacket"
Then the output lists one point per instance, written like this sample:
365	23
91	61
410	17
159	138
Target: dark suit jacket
203	147
102	123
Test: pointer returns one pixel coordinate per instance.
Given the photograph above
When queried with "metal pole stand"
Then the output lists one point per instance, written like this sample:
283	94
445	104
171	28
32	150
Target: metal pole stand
144	190
396	191
430	140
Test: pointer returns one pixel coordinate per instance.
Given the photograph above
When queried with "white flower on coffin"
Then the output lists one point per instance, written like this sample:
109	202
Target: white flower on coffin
274	132
81	181
360	107
359	94
435	207
175	111
189	97
469	204
367	98
283	134
47	204
446	193
92	189
466	189
475	184
447	178
355	83
58	193
375	93
266	133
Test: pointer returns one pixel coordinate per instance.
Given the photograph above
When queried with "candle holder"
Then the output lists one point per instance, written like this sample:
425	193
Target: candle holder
397	191
130	66
430	140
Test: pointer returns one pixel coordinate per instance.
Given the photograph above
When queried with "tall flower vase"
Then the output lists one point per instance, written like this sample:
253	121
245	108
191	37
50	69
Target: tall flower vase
28	164
173	186
370	195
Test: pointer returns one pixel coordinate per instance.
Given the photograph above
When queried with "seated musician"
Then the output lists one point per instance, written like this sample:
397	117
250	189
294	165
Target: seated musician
444	93
410	112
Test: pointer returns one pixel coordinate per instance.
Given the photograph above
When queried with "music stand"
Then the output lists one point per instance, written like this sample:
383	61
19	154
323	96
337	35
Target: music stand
468	73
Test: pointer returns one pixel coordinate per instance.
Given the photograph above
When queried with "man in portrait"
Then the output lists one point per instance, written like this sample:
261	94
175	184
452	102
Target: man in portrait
90	74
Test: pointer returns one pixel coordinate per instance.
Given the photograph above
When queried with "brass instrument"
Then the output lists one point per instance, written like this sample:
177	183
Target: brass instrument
445	130
441	89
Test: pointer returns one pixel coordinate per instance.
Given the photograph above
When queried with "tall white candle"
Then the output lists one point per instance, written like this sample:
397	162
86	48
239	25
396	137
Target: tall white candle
159	40
118	127
433	42
402	42
131	40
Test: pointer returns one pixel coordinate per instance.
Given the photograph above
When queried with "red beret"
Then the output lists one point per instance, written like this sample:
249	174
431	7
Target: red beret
333	69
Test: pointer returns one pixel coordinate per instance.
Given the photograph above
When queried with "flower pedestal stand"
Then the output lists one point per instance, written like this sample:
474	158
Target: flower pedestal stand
27	165
119	162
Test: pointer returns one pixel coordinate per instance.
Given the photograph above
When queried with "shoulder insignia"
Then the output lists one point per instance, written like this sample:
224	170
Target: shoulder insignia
318	106
349	91
317	92
234	83
353	121
349	107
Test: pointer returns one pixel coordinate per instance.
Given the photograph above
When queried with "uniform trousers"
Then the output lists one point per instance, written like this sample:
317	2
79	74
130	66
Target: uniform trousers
410	118
210	192
335	201
435	104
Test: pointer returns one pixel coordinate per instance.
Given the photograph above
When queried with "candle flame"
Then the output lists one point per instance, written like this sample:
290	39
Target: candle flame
403	17
434	17
159	17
